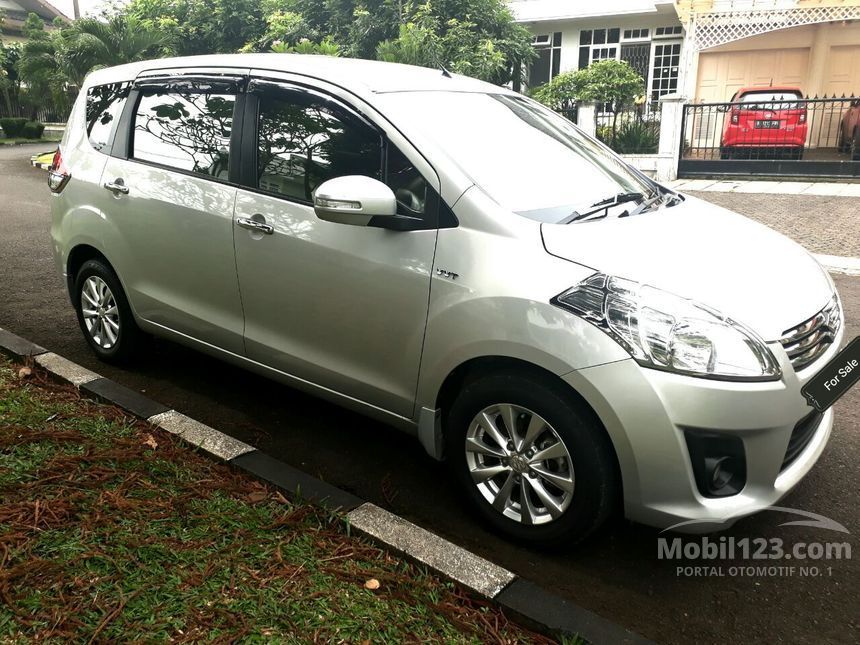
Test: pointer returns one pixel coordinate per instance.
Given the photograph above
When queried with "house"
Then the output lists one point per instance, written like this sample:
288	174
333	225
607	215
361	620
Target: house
812	44
15	13
702	49
570	35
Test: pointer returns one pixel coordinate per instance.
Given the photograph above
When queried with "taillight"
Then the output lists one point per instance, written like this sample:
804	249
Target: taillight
736	117
58	174
802	118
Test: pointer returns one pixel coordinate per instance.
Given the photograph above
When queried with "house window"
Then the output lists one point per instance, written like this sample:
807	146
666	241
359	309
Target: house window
668	32
598	44
664	79
636	34
548	62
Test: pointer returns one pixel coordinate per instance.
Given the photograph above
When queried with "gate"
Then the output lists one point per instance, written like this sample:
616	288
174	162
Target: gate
784	138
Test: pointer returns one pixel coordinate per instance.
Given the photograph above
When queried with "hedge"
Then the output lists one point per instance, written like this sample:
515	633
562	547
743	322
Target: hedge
33	130
13	126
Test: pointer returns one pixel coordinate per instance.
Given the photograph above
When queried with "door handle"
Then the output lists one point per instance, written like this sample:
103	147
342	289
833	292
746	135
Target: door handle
254	225
117	187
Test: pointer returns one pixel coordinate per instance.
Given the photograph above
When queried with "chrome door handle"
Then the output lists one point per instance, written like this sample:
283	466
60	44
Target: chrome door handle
117	187
254	225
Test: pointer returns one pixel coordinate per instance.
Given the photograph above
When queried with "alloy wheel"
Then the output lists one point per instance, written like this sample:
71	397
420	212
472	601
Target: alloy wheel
100	312
519	464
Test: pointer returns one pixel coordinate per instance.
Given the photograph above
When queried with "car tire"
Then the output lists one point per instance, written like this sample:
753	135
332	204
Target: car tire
579	475
725	153
855	146
104	314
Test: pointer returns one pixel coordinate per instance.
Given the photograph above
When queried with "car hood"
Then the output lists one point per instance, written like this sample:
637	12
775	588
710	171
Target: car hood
706	253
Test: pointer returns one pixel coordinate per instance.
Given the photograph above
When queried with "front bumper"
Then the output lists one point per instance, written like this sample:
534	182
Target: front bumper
646	413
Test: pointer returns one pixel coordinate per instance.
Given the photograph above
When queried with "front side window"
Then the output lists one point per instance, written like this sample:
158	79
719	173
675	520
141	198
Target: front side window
524	156
104	106
187	130
303	140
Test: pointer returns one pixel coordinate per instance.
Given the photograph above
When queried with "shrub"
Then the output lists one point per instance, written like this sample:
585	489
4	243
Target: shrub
13	126
637	137
33	130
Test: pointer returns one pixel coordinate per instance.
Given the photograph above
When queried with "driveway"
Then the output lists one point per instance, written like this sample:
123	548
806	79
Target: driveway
617	574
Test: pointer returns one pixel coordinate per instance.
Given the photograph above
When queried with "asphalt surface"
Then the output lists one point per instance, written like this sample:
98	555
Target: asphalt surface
616	574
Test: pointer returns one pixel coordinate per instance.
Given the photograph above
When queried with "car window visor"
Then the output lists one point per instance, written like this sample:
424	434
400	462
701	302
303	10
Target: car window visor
205	84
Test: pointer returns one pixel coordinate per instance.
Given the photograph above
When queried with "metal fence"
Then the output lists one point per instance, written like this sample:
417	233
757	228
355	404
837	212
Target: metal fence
45	114
788	136
632	130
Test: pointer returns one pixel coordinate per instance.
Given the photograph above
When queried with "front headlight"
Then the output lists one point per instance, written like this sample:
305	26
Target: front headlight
665	331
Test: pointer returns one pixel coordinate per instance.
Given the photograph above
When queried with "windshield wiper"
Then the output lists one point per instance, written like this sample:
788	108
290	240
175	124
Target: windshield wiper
603	204
648	203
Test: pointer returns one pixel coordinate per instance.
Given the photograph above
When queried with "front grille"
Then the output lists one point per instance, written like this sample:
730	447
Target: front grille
801	436
810	339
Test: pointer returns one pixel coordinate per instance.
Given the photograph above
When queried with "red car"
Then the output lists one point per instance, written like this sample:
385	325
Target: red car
849	131
764	123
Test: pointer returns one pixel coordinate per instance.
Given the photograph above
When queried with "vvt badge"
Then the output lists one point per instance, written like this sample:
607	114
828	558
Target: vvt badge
835	378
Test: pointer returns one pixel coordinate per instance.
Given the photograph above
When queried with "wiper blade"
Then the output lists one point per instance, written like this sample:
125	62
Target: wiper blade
642	207
620	198
603	204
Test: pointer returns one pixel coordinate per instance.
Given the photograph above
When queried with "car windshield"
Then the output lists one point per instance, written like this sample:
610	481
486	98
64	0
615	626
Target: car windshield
771	100
524	156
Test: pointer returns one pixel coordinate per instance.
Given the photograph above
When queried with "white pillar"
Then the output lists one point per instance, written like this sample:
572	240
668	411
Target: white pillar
586	117
669	148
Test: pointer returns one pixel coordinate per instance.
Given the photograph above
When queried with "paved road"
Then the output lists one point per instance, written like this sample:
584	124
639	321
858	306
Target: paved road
828	225
617	574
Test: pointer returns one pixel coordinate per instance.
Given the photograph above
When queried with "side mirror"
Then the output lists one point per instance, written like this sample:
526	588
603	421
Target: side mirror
353	199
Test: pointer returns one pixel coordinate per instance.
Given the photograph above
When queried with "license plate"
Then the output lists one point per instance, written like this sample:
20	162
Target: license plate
767	125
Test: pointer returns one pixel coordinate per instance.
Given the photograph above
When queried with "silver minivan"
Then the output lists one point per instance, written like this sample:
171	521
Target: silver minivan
451	258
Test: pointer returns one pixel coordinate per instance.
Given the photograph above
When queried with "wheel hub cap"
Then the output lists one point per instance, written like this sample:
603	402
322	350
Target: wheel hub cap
519	464
100	312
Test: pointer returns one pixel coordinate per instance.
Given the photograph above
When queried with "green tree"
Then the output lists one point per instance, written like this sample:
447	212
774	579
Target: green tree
562	92
205	26
612	84
54	63
92	43
474	37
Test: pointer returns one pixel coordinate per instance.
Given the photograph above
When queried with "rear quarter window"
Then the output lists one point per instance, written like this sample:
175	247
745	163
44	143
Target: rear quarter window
104	106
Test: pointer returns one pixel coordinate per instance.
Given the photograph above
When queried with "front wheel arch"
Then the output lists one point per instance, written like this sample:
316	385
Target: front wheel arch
487	365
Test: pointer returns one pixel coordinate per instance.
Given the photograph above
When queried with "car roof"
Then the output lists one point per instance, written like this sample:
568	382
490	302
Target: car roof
760	88
350	73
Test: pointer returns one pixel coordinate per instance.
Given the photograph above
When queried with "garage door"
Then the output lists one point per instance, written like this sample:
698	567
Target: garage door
721	74
842	71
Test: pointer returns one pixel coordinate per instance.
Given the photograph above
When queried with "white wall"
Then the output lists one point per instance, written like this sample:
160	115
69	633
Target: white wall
664	17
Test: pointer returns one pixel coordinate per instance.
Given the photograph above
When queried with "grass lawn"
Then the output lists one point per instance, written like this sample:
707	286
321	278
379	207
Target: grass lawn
111	530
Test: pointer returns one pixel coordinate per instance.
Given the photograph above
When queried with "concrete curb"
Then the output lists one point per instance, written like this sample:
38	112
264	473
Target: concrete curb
839	264
532	605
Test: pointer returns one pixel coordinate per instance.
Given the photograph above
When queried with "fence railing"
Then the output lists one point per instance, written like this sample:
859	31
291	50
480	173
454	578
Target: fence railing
45	114
811	129
632	130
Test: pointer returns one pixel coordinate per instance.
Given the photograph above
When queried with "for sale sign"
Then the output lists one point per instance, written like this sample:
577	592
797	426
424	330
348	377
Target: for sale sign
835	378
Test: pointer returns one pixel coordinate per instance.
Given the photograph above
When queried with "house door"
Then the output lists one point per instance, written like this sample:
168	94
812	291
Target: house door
638	56
664	73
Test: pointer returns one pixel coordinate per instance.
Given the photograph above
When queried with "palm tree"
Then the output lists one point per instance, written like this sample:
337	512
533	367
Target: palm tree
93	43
55	63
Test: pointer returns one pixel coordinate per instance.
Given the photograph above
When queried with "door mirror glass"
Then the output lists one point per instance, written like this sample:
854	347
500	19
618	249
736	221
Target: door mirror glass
353	199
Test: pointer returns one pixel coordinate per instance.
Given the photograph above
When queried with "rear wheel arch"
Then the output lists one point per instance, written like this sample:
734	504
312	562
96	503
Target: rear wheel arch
77	257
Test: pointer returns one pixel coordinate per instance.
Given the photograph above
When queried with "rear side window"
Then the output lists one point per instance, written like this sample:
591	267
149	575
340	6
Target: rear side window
104	106
187	130
770	99
304	140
